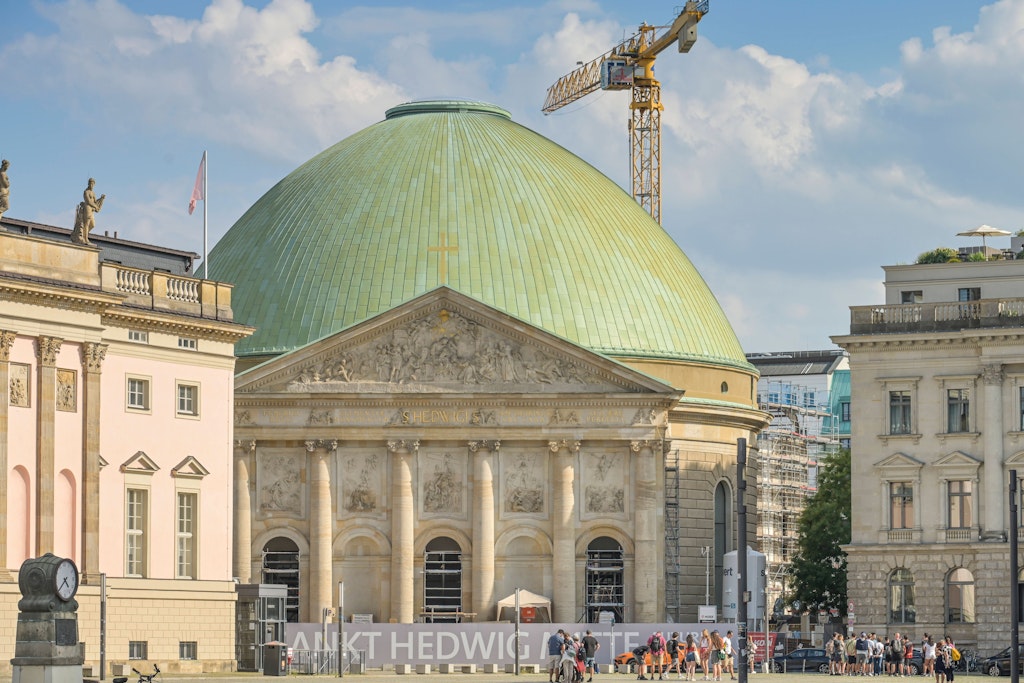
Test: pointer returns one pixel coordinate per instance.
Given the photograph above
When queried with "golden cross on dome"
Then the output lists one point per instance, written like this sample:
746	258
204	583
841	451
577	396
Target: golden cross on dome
443	250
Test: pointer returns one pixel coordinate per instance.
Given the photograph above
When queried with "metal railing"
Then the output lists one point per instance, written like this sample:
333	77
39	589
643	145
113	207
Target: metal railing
325	662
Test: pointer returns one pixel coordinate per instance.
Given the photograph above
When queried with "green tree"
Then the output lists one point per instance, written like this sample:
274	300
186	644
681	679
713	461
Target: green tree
818	570
940	255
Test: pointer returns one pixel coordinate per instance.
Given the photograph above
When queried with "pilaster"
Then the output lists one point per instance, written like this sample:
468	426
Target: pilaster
93	355
992	434
403	521
47	349
647	578
6	342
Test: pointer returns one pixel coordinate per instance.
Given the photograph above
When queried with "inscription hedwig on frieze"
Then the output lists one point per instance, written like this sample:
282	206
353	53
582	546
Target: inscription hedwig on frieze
441	351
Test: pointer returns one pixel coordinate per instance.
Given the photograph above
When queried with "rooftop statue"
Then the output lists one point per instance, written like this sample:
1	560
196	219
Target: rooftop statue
5	188
85	216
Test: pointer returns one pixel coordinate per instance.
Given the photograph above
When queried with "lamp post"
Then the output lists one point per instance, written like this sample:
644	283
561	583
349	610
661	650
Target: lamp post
1014	595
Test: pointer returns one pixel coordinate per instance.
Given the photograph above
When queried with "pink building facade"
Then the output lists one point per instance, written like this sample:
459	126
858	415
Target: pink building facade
116	442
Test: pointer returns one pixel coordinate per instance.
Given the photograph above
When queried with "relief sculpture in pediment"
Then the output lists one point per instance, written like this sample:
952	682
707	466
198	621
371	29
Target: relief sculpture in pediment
442	348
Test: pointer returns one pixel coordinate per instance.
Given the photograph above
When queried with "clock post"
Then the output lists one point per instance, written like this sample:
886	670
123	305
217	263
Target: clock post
46	648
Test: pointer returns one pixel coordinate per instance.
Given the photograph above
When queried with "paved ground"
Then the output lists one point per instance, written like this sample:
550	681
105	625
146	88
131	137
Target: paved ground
378	676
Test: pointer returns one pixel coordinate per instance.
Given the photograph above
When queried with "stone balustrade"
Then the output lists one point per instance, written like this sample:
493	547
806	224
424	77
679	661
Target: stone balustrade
937	317
163	291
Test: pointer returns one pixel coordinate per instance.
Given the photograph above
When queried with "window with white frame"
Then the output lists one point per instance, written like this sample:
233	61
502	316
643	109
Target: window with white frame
186	535
901	505
900	412
958	410
188	343
960	597
138	393
140	336
961	504
188	399
136	531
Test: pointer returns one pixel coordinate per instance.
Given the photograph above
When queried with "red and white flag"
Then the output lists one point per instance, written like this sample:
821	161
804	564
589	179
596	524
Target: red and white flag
199	191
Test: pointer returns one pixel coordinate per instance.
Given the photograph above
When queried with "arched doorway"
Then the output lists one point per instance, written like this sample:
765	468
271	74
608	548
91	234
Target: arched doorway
604	580
442	581
281	566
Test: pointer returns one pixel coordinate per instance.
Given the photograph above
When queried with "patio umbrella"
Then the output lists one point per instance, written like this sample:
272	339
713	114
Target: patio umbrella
984	231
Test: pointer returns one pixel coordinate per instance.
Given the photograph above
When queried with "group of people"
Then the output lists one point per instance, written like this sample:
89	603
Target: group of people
871	655
570	657
710	651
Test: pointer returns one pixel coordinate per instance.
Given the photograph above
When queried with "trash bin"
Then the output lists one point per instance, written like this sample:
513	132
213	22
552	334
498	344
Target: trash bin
275	659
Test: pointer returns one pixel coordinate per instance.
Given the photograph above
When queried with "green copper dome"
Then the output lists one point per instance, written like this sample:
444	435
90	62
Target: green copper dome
455	193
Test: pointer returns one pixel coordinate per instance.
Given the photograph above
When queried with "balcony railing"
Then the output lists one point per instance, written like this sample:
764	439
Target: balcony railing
937	317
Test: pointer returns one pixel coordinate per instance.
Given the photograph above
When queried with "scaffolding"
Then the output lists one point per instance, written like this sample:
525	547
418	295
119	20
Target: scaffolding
800	434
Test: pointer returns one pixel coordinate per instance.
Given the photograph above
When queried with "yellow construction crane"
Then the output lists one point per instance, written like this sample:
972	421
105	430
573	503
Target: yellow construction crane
630	65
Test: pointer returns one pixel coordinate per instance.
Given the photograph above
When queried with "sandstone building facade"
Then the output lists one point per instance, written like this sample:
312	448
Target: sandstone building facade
937	387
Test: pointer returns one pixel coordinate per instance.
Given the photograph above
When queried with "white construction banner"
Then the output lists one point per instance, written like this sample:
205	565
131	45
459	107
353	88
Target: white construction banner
491	642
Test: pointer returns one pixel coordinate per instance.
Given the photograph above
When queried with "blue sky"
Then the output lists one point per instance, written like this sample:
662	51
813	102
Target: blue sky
805	143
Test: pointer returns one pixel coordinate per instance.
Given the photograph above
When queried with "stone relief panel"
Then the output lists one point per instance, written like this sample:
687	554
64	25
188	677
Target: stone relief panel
279	482
67	390
524	483
441	351
20	388
442	476
362	480
604	474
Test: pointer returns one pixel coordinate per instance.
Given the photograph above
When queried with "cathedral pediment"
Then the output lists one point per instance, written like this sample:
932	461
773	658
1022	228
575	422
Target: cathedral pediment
445	342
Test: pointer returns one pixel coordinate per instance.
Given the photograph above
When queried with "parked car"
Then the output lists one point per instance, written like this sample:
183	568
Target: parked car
999	663
811	659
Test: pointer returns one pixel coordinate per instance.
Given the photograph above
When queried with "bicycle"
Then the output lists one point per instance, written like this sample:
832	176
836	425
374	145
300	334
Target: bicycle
143	678
968	662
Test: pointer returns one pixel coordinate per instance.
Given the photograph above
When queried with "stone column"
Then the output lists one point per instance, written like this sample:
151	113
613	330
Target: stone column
92	363
46	407
321	529
483	527
241	564
403	531
564	530
6	342
994	528
646	576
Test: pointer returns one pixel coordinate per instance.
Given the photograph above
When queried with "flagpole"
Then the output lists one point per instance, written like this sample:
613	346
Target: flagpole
206	174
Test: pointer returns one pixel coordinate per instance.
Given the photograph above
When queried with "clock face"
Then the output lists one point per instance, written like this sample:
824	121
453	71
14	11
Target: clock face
66	580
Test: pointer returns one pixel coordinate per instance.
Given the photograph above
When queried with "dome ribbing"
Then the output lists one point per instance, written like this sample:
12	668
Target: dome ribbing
455	193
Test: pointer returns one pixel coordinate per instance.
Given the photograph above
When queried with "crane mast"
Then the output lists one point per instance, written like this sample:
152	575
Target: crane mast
630	66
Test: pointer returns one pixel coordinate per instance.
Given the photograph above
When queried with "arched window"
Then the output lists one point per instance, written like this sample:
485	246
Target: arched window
723	537
960	597
442	581
605	586
281	566
901	597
